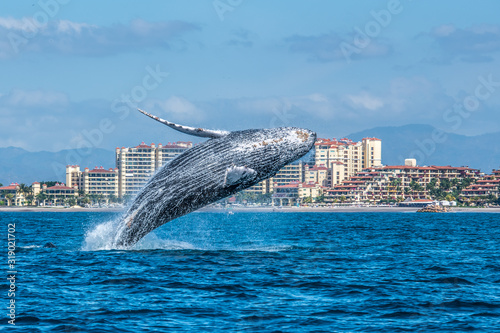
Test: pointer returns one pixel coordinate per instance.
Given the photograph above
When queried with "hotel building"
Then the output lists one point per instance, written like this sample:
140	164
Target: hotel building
344	157
58	193
392	182
294	172
137	164
134	167
488	185
96	181
12	195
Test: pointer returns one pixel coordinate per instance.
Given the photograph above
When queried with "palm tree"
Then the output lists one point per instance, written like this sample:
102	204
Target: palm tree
41	197
9	197
29	198
25	190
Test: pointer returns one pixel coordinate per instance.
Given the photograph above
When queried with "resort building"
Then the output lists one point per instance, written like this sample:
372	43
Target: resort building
262	187
137	164
395	182
134	167
344	157
487	186
311	191
11	195
318	174
59	193
294	172
286	195
98	181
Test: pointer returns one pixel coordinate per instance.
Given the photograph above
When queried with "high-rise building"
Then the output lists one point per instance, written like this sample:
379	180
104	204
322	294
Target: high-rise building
344	157
134	167
137	164
293	172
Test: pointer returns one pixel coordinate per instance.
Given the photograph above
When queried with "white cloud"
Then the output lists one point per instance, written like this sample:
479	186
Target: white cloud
180	108
10	23
68	27
68	37
444	30
31	98
474	44
366	101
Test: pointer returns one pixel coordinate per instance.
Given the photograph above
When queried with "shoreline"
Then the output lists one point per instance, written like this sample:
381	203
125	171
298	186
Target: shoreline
259	210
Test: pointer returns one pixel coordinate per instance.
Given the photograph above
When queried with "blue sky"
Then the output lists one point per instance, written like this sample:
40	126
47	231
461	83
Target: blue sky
73	71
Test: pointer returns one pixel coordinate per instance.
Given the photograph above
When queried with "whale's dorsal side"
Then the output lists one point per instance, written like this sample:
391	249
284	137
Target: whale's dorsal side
201	132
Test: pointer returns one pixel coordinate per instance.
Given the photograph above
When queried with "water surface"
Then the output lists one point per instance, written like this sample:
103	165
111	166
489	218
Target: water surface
260	272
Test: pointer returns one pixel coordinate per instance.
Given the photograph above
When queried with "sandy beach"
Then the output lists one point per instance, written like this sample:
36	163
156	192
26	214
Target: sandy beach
262	209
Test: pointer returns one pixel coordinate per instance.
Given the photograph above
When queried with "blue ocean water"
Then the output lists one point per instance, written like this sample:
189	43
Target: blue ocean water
259	272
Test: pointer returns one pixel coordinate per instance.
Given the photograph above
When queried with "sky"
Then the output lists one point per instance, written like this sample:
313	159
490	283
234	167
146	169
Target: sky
74	72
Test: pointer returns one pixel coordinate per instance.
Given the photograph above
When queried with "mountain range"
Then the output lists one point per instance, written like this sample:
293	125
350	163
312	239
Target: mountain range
433	147
21	166
423	142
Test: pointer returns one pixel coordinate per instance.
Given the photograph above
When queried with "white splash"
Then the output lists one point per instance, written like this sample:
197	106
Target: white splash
101	237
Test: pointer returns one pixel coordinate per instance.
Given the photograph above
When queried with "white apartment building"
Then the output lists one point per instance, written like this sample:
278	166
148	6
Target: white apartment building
137	164
344	157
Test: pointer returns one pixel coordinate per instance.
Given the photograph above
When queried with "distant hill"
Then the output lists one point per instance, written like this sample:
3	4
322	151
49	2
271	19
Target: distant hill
21	166
479	152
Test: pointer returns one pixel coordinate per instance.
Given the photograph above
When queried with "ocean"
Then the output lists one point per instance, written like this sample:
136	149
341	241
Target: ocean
256	272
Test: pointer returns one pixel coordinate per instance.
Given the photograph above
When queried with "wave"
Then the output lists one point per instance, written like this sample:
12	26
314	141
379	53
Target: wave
457	303
452	280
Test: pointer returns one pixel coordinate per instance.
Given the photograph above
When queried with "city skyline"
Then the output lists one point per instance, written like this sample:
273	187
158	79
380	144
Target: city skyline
76	75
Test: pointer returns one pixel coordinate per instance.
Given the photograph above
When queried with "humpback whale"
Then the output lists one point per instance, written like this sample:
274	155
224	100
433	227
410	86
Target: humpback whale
226	163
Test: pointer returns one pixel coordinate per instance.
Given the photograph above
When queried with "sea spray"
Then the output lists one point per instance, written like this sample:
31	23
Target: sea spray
101	236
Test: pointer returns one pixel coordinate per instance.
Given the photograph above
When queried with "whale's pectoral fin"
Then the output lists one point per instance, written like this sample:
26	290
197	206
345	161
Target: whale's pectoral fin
202	132
238	174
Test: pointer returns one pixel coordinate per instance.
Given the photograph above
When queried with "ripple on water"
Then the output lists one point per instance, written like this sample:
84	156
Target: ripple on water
260	272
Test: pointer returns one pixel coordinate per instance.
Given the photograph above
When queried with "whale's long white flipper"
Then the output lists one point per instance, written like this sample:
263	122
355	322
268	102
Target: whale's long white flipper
202	132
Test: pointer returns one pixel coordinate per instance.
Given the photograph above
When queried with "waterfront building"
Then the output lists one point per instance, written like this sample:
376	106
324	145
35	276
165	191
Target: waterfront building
484	187
286	194
317	174
97	181
344	157
59	193
134	167
100	181
395	182
263	187
312	190
12	195
137	164
293	172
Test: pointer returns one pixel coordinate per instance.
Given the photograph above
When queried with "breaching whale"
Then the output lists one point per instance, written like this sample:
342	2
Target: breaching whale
226	163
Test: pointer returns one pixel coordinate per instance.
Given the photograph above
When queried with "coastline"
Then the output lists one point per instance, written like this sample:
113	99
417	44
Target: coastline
260	210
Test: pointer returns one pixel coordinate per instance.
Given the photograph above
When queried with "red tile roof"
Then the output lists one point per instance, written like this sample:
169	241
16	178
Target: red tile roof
9	187
61	186
143	145
101	170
